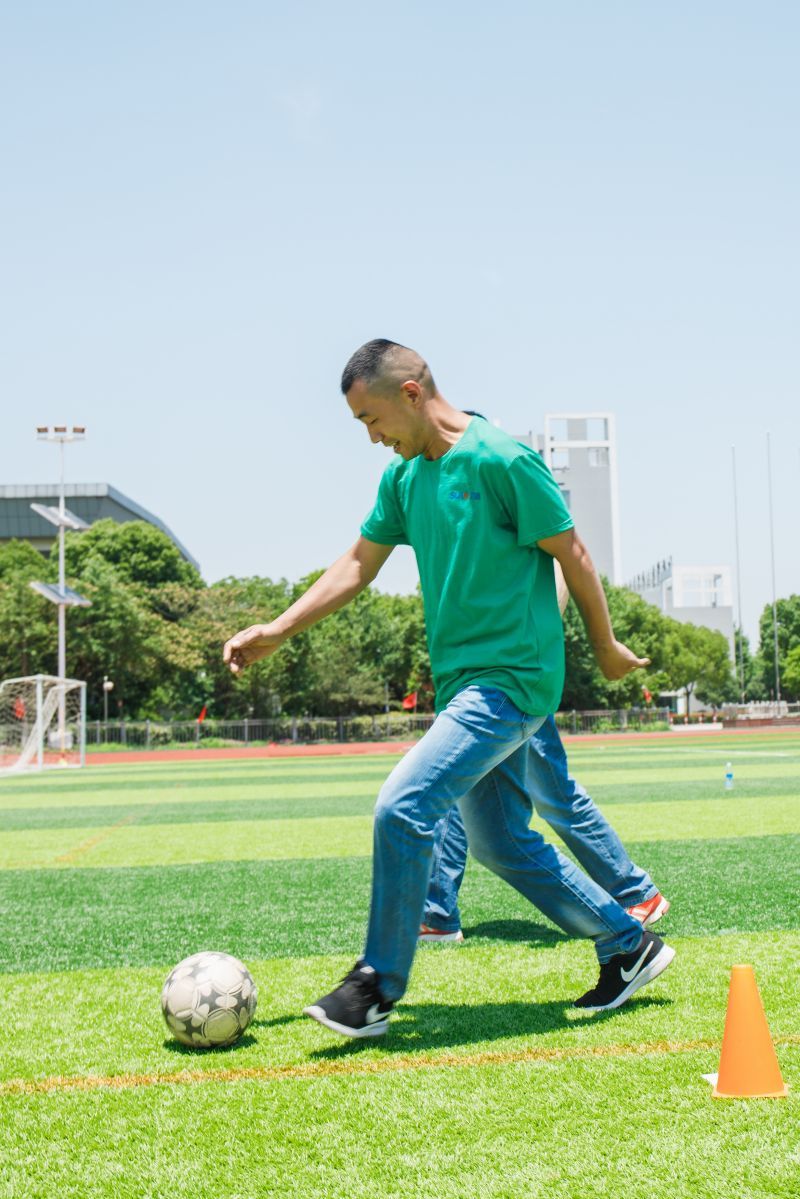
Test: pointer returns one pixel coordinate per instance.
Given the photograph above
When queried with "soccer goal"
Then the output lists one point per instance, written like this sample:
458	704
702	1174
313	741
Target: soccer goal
42	723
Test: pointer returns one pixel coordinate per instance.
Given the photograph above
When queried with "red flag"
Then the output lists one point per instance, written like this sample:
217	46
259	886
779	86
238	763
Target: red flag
203	714
19	708
410	702
648	699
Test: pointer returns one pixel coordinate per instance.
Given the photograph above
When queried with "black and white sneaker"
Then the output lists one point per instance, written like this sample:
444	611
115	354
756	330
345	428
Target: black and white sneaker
626	972
356	1007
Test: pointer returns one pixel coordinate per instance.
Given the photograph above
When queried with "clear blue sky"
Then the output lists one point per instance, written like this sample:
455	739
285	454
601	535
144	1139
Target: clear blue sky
577	206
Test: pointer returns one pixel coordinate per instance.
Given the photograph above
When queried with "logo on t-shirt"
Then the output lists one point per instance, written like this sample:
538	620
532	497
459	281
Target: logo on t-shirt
464	495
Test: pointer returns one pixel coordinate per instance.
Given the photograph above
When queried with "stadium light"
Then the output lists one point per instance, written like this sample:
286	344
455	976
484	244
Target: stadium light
61	595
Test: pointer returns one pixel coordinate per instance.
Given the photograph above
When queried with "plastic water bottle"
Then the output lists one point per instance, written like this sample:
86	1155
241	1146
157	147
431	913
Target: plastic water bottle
729	777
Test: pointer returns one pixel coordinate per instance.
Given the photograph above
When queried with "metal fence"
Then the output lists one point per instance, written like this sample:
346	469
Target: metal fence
394	726
152	734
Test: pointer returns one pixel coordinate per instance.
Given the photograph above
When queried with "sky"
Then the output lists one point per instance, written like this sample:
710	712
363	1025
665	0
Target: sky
204	209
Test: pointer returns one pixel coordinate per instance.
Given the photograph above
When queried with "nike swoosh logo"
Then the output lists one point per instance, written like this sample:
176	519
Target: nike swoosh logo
374	1014
628	975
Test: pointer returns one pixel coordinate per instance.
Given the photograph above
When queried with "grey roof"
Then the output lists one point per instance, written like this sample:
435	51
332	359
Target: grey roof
91	501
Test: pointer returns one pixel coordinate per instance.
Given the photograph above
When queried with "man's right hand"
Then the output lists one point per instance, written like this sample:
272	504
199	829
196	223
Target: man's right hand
616	660
259	641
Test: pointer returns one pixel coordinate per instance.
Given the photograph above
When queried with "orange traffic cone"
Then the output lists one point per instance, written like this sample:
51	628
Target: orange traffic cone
748	1067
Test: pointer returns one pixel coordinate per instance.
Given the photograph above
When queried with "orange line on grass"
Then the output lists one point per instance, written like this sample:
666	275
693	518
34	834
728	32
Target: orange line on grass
388	1065
71	854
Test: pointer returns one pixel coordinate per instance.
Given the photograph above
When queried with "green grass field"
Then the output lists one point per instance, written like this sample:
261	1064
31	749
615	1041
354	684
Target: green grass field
488	1083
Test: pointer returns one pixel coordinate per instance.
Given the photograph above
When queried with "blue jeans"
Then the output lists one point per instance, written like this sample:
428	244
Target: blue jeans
570	812
477	754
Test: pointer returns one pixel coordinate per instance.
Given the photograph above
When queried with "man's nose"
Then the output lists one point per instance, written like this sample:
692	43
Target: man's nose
374	436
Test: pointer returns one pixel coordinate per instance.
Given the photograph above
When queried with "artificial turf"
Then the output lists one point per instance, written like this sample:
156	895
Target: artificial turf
488	1083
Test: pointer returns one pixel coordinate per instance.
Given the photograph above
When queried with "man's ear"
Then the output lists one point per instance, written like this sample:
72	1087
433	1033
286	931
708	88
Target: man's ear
412	390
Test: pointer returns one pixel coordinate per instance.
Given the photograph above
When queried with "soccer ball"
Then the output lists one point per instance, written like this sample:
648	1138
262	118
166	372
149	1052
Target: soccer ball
208	1000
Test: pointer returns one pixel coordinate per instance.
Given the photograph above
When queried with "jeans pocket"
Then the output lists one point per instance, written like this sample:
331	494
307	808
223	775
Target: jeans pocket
499	704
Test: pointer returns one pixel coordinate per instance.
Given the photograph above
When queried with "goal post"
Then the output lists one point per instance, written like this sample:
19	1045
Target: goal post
42	723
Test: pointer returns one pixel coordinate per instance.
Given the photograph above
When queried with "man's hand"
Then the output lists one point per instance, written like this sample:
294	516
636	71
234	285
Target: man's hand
580	577
616	660
340	583
259	641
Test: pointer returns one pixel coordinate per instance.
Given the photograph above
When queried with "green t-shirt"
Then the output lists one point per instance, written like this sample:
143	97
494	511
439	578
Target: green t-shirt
473	518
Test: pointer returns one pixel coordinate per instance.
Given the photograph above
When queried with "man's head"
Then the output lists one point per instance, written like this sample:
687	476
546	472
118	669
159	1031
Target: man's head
387	387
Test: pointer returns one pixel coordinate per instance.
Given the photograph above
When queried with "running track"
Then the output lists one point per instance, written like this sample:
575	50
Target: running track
350	748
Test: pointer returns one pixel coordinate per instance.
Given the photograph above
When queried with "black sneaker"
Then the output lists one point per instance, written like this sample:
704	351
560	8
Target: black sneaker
356	1007
626	972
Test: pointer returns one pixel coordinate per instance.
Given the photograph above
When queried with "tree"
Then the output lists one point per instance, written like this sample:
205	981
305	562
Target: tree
791	674
641	626
584	685
748	664
788	637
348	660
28	622
220	611
120	636
138	551
698	660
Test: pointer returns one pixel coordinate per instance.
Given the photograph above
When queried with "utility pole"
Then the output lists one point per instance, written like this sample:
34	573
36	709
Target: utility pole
774	593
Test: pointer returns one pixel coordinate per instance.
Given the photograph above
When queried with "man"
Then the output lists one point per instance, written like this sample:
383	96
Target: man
568	809
485	519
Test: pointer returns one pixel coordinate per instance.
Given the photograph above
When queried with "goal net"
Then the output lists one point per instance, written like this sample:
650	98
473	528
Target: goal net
42	723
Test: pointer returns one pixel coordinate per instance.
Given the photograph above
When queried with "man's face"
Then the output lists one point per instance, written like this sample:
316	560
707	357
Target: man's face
389	421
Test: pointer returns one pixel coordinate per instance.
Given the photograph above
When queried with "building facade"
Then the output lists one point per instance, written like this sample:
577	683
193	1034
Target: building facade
581	451
701	595
88	501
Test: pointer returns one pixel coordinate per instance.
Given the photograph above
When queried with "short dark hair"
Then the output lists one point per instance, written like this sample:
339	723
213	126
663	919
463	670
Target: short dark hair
367	361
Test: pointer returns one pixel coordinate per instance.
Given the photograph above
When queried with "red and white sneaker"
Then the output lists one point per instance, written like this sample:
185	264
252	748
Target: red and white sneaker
651	910
440	935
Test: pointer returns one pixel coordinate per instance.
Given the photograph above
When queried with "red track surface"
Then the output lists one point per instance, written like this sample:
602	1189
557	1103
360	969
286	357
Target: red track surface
125	757
262	751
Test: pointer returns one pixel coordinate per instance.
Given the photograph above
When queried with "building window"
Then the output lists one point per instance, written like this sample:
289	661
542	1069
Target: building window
598	456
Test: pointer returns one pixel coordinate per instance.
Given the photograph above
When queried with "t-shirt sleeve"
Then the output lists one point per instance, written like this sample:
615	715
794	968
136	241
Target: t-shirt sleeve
385	524
536	506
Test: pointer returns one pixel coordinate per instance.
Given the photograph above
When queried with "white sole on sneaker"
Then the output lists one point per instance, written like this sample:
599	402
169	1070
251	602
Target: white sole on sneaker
660	911
370	1030
455	938
658	965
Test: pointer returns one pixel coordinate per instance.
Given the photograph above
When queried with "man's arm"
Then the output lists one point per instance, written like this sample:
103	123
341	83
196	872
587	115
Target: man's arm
340	583
562	591
614	658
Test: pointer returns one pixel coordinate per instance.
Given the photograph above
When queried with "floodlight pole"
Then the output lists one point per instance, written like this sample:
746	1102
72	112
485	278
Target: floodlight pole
62	578
738	576
61	434
774	593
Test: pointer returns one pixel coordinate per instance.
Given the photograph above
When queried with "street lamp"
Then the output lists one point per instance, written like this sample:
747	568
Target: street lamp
107	687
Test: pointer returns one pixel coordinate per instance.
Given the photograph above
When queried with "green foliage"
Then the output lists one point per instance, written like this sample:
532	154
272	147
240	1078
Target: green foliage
28	631
120	636
584	685
681	656
746	664
791	674
139	553
699	662
788	639
157	631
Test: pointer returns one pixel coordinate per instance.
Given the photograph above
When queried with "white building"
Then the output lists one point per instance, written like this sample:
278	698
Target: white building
701	595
